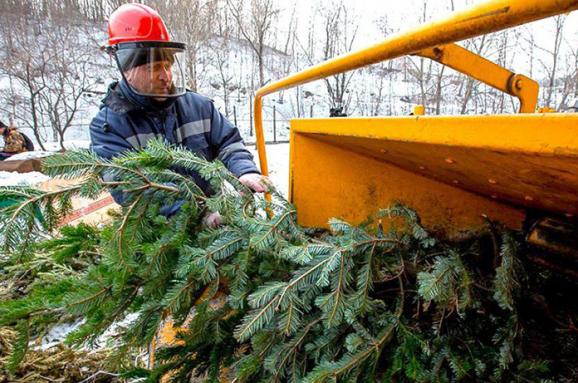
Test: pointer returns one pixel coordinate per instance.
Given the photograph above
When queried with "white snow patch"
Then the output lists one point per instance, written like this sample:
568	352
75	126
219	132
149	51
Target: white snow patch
68	145
21	179
28	155
107	339
278	163
32	178
58	333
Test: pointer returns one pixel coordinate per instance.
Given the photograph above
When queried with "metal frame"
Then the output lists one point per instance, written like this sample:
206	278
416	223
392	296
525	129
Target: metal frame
473	65
484	18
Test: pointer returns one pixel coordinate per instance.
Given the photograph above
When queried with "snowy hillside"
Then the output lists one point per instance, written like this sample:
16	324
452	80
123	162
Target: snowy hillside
225	67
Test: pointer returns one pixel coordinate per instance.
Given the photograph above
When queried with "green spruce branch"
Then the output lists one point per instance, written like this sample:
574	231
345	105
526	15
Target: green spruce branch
259	299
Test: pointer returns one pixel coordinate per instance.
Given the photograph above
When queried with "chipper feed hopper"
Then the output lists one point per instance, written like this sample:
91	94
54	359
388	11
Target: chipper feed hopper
456	171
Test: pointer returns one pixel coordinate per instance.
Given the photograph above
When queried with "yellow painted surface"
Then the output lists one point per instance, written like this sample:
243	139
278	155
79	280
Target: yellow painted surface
452	170
329	181
546	109
548	133
475	66
167	333
419	110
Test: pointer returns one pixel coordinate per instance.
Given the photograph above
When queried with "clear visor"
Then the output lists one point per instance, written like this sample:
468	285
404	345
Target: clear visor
153	71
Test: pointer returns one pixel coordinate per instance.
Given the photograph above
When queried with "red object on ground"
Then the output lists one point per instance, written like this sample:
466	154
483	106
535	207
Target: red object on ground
78	213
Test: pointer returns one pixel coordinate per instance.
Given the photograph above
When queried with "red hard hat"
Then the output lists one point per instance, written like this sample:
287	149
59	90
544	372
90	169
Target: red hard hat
136	22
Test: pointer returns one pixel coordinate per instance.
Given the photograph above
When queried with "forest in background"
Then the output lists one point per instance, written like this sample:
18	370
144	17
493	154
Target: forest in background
53	75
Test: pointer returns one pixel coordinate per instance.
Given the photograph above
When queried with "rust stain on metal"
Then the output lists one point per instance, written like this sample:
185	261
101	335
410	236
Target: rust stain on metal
497	12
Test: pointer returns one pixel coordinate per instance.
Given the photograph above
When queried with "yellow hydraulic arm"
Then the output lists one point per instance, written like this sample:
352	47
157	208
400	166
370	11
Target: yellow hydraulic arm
480	19
471	64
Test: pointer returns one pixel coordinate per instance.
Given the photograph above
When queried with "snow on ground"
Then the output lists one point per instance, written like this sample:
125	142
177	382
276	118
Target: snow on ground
21	179
57	334
60	331
32	178
68	145
278	161
28	155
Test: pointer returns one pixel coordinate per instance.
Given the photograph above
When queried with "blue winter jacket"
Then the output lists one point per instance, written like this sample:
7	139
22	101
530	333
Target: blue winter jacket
126	121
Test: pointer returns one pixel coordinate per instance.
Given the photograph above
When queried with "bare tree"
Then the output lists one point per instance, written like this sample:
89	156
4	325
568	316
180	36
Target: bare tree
340	28
191	22
50	67
380	76
68	77
440	77
550	60
255	23
421	71
370	100
552	69
575	66
290	60
220	50
568	77
21	101
338	35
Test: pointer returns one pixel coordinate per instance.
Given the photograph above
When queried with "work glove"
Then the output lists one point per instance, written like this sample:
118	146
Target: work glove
255	182
212	220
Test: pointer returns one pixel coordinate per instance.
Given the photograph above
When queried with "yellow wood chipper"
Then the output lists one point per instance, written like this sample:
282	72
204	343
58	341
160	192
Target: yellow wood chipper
457	172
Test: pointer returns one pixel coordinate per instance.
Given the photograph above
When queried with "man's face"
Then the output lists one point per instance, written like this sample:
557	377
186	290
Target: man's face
152	78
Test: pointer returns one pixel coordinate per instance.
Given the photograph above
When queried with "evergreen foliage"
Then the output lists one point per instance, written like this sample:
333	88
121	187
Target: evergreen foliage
261	299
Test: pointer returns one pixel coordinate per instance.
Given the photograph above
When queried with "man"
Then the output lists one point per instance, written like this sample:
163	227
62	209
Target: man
14	141
151	101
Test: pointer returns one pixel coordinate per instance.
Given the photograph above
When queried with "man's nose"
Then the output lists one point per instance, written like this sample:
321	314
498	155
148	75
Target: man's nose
164	74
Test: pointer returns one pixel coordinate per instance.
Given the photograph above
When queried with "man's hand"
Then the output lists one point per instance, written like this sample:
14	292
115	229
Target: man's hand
255	182
212	220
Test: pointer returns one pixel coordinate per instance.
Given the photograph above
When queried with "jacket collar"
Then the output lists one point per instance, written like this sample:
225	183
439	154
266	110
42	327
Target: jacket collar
120	98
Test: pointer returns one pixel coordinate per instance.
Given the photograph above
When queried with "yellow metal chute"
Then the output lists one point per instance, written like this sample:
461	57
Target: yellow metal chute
454	170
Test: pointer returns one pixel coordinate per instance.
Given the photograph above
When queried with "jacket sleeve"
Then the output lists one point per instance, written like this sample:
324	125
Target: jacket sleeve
229	146
106	143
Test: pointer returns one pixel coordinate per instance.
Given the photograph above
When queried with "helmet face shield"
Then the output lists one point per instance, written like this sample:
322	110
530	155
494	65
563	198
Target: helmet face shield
154	69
